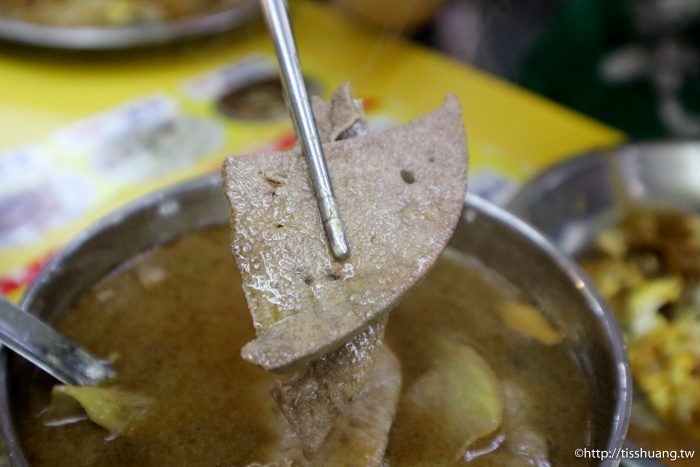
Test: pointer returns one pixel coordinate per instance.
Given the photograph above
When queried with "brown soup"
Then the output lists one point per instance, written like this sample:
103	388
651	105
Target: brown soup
177	319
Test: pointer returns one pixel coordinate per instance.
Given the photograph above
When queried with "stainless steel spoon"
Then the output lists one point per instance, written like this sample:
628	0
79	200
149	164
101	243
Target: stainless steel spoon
43	346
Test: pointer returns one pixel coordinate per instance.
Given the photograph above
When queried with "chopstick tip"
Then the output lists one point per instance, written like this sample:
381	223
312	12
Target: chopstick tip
336	237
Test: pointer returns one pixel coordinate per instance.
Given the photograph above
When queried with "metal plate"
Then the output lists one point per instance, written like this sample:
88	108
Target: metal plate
573	200
122	37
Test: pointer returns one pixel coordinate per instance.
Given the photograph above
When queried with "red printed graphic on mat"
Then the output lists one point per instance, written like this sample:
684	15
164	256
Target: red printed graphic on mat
24	276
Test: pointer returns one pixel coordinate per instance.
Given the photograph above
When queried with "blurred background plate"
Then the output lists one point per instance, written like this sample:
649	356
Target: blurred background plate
573	200
127	36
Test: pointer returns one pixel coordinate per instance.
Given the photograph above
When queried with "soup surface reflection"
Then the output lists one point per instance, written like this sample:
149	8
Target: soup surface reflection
176	319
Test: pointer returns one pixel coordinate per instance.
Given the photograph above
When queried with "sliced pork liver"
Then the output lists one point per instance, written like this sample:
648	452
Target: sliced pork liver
313	399
360	435
400	194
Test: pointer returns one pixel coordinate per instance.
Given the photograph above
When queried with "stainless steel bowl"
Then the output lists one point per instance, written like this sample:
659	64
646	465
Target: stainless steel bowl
121	37
500	240
571	201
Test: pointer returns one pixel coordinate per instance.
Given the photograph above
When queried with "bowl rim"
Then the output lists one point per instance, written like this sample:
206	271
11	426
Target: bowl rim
126	36
555	173
473	205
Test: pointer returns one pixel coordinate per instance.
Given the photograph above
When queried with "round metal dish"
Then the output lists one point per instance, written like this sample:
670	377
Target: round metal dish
122	37
496	238
571	201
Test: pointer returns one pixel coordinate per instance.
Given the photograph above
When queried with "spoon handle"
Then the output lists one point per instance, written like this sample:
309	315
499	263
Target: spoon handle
37	342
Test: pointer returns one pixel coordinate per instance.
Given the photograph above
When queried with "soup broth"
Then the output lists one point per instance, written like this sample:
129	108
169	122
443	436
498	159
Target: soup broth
176	318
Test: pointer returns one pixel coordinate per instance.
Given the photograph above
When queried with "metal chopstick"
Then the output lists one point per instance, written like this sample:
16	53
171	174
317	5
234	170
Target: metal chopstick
277	18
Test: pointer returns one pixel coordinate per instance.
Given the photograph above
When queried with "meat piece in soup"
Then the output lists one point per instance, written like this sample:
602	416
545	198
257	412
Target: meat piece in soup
303	301
359	436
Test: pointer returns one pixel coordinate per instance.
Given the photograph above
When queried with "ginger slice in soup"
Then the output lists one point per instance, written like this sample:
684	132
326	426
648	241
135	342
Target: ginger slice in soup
114	410
460	397
527	320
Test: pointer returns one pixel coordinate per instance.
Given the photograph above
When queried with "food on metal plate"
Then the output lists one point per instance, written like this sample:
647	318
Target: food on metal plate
648	268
